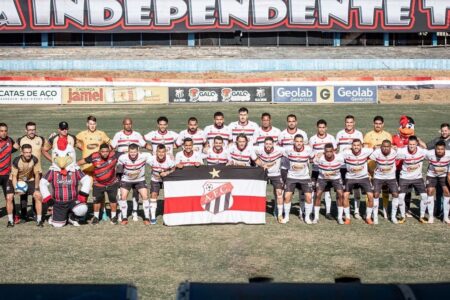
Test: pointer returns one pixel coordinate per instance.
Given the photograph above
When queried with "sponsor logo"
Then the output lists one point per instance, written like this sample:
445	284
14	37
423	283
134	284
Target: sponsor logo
197	95
305	94
84	95
217	196
325	94
355	94
230	95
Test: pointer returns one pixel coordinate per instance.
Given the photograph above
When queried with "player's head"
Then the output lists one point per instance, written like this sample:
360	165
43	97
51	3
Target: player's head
218	143
192	124
243	114
127	124
133	151
26	150
378	123
188	144
328	151
349	123
104	150
219	119
30	129
161	152
266	120
299	141
91	123
356	145
439	148
241	141
412	143
163	123
321	126
445	130
3	130
386	146
63	128
268	143
291	121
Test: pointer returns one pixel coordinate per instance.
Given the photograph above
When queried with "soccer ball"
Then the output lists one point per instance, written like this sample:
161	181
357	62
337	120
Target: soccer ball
21	187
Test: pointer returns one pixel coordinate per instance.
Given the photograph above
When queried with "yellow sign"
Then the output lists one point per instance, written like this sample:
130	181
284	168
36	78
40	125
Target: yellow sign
144	95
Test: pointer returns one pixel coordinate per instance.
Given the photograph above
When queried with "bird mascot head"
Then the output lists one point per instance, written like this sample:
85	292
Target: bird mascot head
406	128
64	157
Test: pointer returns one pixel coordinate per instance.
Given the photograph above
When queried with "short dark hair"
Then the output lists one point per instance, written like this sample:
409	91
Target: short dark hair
26	146
378	118
241	135
162	118
30	124
243	109
321	122
445	125
218	137
91	118
439	143
299	136
3	125
386	141
291	116
413	138
218	114
269	138
188	139
266	114
193	119
133	147
349	117
161	146
328	146
104	146
356	141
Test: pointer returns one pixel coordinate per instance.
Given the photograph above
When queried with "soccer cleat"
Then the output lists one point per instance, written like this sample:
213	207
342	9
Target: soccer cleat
357	216
73	222
402	220
135	216
280	219
17	219
286	220
95	221
114	221
328	216
340	222
50	221
422	220
40	224
375	221
308	220
10	224
146	221
315	221
447	221
153	221
347	221
369	221
124	221
105	216
430	220
409	214
394	220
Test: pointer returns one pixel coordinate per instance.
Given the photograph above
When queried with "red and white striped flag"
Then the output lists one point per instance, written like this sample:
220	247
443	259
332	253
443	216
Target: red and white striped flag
215	194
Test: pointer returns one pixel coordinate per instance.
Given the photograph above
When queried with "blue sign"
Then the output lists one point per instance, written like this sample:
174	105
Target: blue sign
355	94
299	94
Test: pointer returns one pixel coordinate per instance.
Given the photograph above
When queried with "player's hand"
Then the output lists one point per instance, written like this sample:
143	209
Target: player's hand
163	174
197	164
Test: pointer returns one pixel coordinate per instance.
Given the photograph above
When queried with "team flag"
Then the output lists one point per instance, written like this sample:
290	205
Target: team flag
215	194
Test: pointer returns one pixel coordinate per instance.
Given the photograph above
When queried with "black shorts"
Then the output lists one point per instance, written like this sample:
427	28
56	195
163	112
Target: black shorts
277	182
343	174
418	185
156	186
433	182
98	193
391	184
284	173
133	185
305	185
61	211
327	184
6	185
363	183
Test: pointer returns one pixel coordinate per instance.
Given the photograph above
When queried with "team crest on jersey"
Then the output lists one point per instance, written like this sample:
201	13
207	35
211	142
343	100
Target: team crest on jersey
217	197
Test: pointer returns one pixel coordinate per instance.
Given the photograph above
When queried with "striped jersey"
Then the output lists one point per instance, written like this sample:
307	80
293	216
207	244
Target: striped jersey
298	167
211	131
188	159
250	130
261	135
241	157
412	163
122	140
330	170
356	164
214	157
345	139
286	140
65	187
134	169
385	164
167	139
197	137
438	167
159	166
6	150
272	159
318	144
104	169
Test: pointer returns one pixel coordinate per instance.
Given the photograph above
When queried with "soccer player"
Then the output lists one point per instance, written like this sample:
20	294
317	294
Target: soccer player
344	139
411	176
120	143
26	168
132	164
299	156
104	164
6	150
384	175
317	142
244	126
438	168
373	140
197	135
329	165
269	156
357	175
218	129
63	132
162	165
188	157
266	130
217	154
162	136
37	144
241	153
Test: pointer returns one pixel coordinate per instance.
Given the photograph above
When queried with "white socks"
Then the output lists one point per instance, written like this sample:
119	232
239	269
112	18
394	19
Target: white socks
340	212
423	204
135	204
369	211
96	214
328	202
38	218
123	209
430	206
316	212
347	212
287	210
356	205
376	203
279	209
153	205
446	205
308	210
10	218
113	214
395	204
146	207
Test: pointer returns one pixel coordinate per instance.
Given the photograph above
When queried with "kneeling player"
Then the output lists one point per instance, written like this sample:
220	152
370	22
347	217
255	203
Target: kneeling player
439	161
357	175
329	165
162	165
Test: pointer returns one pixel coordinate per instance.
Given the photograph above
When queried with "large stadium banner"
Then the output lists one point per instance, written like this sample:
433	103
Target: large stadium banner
215	194
220	94
30	95
223	15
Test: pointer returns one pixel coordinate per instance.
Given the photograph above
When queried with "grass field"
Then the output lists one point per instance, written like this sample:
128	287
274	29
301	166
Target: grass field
157	258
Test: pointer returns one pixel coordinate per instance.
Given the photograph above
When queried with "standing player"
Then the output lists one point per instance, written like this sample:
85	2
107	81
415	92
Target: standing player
266	130
217	154
299	156
269	156
132	164
105	180
162	136
384	175
344	139
197	135
63	132
317	143
188	157
411	176
329	165
162	165
438	168
218	129
357	175
244	126
241	153
6	150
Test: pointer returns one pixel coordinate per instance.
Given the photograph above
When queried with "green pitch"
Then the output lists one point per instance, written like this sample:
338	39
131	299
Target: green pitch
157	258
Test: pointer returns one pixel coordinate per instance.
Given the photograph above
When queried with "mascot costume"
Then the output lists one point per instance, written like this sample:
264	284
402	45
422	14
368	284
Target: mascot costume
64	177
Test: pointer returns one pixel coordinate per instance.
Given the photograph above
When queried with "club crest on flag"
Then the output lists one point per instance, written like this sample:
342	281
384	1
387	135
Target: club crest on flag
217	196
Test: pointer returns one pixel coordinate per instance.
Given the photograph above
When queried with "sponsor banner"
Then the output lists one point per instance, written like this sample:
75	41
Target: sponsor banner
224	15
215	194
299	94
84	95
30	95
325	94
144	95
220	94
355	94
